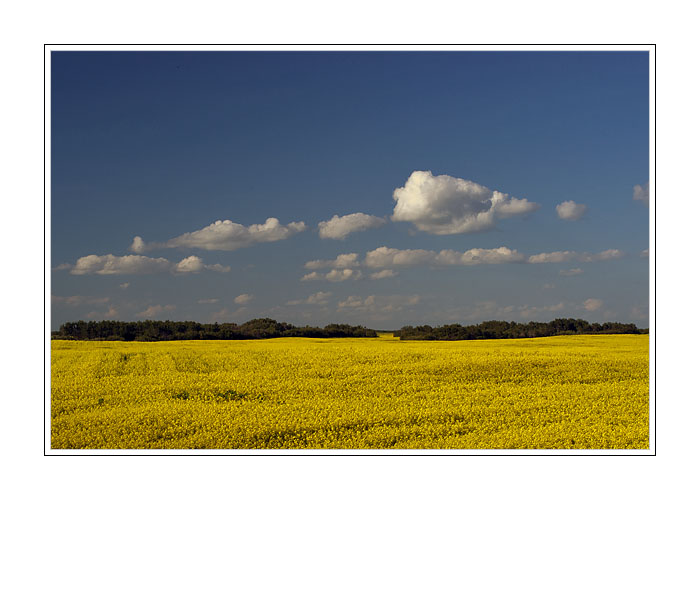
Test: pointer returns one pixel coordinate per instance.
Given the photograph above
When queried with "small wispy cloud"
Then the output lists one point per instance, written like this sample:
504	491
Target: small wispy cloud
570	272
383	274
243	298
377	304
570	256
155	310
78	300
111	313
593	304
570	211
640	193
338	228
317	298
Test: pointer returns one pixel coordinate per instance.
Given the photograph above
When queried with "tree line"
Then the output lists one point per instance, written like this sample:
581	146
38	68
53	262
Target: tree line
510	329
154	331
256	329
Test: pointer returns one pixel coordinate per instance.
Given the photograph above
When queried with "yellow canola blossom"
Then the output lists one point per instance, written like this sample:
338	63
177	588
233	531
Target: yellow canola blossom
558	392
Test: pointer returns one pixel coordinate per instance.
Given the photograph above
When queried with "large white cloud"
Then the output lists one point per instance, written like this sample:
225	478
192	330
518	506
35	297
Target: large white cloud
570	211
640	193
338	228
226	235
446	205
134	264
384	257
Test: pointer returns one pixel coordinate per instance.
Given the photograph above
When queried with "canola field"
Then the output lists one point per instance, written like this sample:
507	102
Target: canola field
558	392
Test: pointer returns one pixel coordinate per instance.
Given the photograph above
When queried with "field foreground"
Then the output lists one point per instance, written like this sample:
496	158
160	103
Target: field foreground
558	392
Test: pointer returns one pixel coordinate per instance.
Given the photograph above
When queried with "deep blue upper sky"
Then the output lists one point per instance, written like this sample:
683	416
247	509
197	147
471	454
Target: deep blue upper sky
157	144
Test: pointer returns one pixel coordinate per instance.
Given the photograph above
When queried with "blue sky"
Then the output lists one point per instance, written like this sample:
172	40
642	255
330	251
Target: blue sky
517	178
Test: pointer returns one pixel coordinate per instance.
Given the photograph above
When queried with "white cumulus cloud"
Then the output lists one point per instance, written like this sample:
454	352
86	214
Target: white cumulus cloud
313	276
553	257
356	302
570	211
338	228
392	257
226	235
342	274
479	256
191	264
342	261
446	205
109	264
243	298
384	257
383	274
334	275
134	264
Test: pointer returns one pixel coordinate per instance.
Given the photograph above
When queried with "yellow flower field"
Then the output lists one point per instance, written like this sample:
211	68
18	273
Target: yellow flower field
558	392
